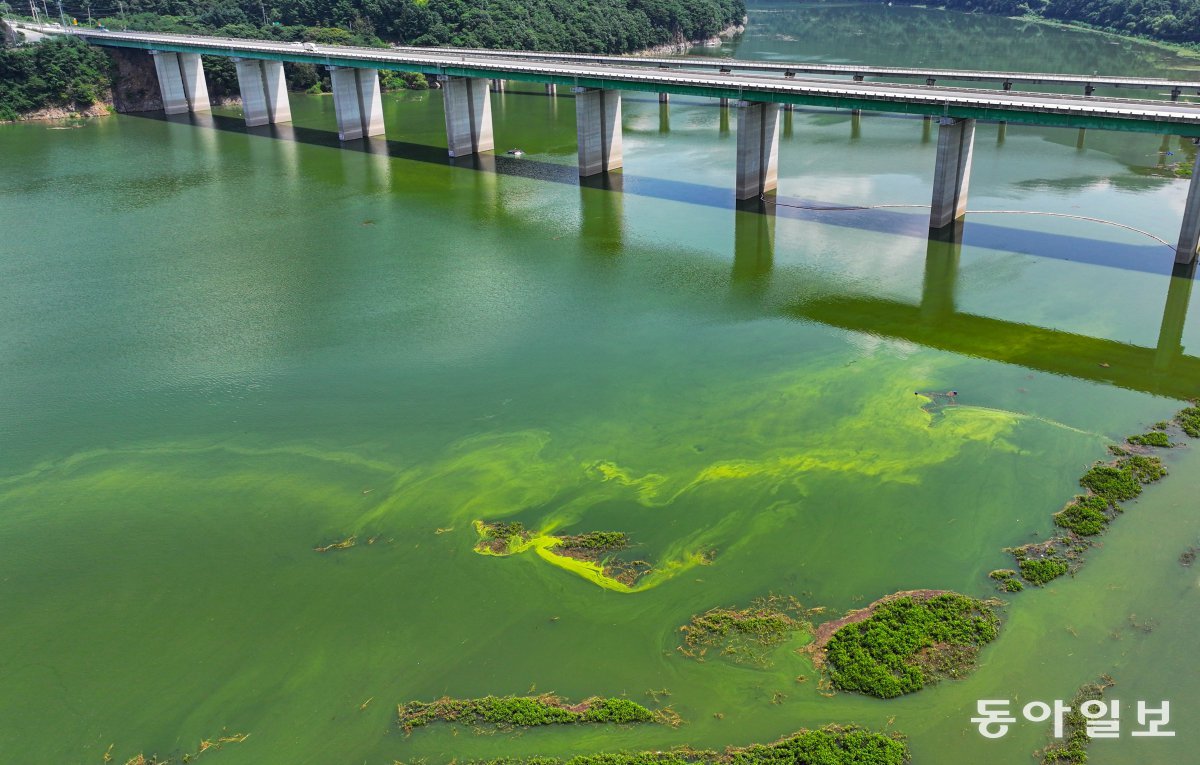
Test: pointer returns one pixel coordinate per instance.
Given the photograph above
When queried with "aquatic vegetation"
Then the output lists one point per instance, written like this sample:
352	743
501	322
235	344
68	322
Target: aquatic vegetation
1007	580
522	711
1039	571
1085	515
905	641
206	744
1108	484
831	745
1156	438
1072	748
1189	421
746	635
1131	473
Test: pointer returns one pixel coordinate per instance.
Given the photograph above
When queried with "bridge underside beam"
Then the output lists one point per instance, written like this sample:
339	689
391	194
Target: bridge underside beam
956	141
181	82
264	92
1189	234
468	115
757	148
357	101
598	127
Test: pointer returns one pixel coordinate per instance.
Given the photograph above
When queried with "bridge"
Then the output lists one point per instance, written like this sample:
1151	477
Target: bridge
759	90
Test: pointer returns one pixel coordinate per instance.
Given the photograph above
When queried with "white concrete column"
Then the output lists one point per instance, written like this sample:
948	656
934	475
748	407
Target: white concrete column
956	141
194	83
181	82
357	101
468	108
598	127
1189	234
264	91
757	148
498	85
551	89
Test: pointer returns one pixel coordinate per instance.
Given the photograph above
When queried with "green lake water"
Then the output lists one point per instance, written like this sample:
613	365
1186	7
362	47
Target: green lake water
222	347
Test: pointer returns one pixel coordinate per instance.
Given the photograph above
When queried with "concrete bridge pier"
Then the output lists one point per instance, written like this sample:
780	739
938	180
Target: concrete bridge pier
551	89
181	82
497	86
468	115
598	128
956	141
357	102
757	148
1189	234
264	91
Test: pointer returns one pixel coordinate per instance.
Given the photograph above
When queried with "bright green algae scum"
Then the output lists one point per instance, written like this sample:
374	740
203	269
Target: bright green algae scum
222	350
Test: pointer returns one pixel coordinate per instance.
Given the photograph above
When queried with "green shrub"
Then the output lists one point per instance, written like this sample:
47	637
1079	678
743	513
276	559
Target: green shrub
1151	438
1084	515
1039	571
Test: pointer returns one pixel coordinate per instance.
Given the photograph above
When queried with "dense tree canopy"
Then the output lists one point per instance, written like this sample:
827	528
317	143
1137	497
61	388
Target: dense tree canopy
1169	20
597	26
61	72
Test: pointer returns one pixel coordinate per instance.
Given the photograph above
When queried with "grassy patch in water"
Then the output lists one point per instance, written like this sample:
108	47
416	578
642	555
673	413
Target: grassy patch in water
831	745
746	635
1189	421
907	642
1007	580
1085	515
521	711
1155	438
1072	748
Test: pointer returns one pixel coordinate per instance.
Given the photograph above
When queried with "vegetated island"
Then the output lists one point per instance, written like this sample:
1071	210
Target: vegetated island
524	712
831	745
1072	748
747	635
905	641
1106	485
897	645
594	555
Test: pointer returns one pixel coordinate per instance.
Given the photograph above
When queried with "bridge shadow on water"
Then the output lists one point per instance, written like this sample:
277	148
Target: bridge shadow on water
1149	258
934	322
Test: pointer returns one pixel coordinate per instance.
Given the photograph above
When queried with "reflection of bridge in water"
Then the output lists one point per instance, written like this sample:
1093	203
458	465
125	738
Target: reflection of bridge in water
935	321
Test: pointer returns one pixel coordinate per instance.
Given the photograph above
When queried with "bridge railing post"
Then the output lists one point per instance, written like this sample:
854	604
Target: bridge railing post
757	148
956	141
598	129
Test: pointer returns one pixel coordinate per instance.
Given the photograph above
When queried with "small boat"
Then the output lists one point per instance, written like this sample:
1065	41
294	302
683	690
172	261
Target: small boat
515	152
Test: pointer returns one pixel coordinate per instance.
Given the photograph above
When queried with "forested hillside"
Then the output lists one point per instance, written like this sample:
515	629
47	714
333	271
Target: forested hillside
1175	21
594	26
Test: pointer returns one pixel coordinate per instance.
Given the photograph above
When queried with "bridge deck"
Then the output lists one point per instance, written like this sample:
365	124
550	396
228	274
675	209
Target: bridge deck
1146	116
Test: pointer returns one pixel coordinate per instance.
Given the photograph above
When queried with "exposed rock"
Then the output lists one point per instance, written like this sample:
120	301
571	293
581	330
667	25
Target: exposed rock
135	83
